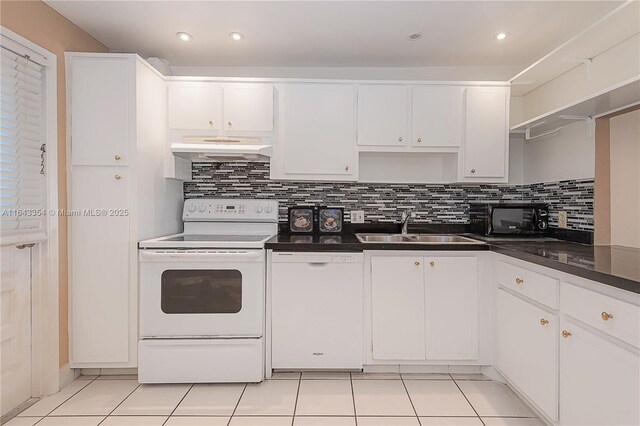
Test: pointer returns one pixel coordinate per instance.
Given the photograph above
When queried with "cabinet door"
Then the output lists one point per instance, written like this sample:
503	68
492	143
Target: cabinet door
99	253
248	107
485	132
382	115
397	308
527	349
436	118
102	95
599	382
194	106
451	302
316	315
317	129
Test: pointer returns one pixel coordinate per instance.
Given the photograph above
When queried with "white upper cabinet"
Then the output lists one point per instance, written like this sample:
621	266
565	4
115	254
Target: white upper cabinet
436	119
195	105
248	107
486	134
316	132
100	128
382	115
451	307
397	308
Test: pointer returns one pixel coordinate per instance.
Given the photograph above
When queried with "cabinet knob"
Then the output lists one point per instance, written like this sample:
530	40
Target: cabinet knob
473	170
211	122
346	168
566	333
606	316
117	157
432	264
544	321
229	123
419	140
519	281
118	177
417	263
400	139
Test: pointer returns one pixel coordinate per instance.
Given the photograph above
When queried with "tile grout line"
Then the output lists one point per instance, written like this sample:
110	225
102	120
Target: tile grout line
74	394
410	400
465	397
233	413
119	404
353	399
295	406
178	404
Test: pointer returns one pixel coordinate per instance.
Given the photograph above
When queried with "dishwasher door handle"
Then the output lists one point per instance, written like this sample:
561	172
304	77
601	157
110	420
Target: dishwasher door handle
318	264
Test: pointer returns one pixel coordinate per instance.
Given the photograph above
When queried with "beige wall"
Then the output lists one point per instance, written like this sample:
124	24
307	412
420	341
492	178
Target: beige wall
625	179
45	27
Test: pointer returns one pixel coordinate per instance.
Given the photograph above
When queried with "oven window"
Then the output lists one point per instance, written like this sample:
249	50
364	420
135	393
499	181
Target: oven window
512	221
201	291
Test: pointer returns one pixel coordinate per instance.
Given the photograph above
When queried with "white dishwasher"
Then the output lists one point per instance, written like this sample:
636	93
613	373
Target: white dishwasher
317	310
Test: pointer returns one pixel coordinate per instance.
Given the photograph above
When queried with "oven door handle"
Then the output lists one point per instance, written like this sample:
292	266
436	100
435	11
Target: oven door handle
157	256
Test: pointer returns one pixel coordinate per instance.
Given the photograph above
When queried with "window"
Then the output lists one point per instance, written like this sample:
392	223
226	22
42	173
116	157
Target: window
22	149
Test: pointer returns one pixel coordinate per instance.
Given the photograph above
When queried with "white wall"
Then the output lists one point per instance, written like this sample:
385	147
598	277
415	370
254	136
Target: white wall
460	73
568	154
625	179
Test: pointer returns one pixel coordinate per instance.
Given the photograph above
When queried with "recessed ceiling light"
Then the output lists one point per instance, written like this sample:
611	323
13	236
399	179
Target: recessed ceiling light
501	36
184	36
414	36
236	36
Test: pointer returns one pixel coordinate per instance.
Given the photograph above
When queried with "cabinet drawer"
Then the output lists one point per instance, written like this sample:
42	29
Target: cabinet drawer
615	317
538	287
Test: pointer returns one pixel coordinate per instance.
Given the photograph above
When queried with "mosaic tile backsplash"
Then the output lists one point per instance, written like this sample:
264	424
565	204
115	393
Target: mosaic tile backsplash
433	203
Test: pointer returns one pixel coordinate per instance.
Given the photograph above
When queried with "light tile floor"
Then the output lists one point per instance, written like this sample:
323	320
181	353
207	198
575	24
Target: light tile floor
289	399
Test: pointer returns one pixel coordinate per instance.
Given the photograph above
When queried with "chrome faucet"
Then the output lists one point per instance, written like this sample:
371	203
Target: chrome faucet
406	217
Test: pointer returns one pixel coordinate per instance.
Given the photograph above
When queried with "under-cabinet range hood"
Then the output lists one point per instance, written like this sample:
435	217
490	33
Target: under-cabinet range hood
223	148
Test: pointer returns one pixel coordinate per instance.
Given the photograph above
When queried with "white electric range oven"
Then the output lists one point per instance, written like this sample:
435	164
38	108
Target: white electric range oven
202	294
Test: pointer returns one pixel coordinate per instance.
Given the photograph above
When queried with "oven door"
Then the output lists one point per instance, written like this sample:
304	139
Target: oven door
213	293
513	221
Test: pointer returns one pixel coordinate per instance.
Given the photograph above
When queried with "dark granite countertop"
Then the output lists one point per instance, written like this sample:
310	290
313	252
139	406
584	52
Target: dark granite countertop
615	266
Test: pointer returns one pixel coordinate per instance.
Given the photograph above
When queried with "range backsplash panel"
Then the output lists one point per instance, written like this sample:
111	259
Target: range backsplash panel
433	203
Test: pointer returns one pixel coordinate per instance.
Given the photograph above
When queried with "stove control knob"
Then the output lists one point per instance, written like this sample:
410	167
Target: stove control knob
202	208
192	208
268	209
259	209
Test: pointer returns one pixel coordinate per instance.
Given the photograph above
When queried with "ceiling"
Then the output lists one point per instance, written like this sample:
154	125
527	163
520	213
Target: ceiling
335	33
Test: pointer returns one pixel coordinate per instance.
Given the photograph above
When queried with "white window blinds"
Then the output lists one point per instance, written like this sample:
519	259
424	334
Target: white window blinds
22	127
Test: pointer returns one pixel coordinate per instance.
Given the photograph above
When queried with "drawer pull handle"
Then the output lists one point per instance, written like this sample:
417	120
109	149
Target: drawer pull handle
117	157
118	177
417	263
519	281
544	321
566	333
606	316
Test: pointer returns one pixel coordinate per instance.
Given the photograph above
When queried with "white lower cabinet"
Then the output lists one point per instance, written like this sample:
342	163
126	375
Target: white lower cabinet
397	308
424	308
316	311
599	380
527	349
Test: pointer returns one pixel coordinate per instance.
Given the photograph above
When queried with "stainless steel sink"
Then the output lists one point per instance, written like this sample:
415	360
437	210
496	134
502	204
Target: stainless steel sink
416	239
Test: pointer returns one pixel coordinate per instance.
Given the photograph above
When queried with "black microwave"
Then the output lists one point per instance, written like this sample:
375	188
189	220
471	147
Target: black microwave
509	219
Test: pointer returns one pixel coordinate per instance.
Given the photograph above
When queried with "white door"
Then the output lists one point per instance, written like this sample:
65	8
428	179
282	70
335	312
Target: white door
451	307
248	107
397	308
485	132
316	313
599	380
101	98
99	253
382	115
436	118
194	106
317	130
15	328
527	349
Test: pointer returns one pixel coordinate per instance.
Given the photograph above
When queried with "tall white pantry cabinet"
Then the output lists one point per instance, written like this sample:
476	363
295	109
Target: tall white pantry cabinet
117	121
